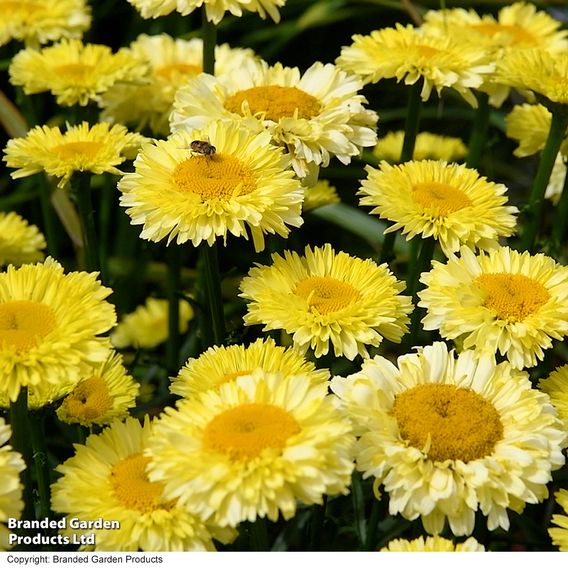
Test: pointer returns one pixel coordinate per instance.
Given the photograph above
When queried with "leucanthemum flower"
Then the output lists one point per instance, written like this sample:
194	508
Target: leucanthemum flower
449	435
20	242
51	326
40	21
171	63
147	326
449	202
245	187
320	194
214	9
327	299
504	301
253	448
219	365
11	504
559	534
81	148
315	115
107	394
433	544
107	477
556	387
409	54
75	73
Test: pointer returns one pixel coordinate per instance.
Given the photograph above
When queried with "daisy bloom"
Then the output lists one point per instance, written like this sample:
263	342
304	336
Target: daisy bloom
106	395
559	534
147	326
409	54
253	448
503	301
449	202
171	63
219	365
327	299
245	186
449	435
11	504
556	387
214	9
433	544
320	194
20	242
50	326
315	115
75	73
40	21
82	148
107	478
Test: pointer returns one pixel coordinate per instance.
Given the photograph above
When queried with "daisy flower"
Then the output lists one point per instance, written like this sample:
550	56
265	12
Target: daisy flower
11	504
504	301
219	365
20	242
559	534
556	387
409	54
245	186
449	202
433	544
320	194
147	326
107	478
253	448
40	21
98	148
327	299
315	115
449	435
75	73
51	326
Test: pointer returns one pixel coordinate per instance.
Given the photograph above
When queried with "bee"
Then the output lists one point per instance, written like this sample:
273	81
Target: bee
203	147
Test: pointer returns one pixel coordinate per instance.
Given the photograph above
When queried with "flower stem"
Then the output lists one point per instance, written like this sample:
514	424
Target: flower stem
259	535
213	298
173	291
372	525
41	465
560	224
48	215
209	36
479	130
318	518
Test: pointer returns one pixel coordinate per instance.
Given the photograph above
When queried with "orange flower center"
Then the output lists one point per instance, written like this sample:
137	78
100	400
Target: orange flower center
169	71
325	294
89	400
440	199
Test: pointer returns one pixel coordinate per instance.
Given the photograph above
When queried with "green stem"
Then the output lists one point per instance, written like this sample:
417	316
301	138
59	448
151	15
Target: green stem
259	535
173	291
318	518
479	130
372	526
213	296
560	224
209	36
48	215
41	465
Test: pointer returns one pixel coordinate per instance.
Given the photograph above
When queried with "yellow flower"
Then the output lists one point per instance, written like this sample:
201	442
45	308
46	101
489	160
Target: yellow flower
556	387
326	298
20	242
50	327
41	21
448	436
245	187
75	73
219	365
253	448
11	504
107	478
97	149
214	9
449	202
320	194
147	326
105	395
557	180
428	147
503	301
559	534
315	115
411	54
171	63
433	544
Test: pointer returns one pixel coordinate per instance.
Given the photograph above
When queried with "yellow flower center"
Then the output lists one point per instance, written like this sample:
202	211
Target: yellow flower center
427	51
275	102
229	377
23	323
244	431
167	71
517	33
447	422
19	9
220	176
131	486
325	294
76	72
512	297
440	199
89	400
71	150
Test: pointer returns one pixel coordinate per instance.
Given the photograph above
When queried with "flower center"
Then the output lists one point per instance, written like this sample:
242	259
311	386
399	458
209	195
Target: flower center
219	176
71	150
275	102
229	377
23	323
517	33
167	71
440	199
244	431
512	297
89	400
427	51
325	294
447	422
19	9
131	486
77	72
